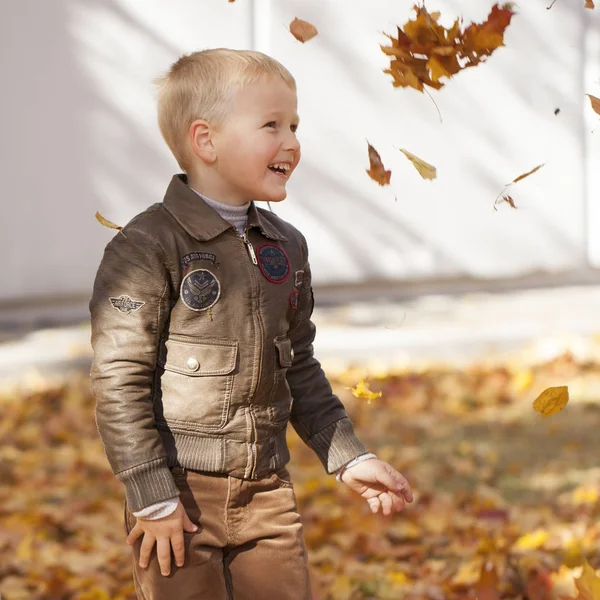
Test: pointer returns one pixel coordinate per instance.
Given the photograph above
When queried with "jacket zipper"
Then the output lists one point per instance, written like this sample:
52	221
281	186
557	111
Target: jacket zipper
250	248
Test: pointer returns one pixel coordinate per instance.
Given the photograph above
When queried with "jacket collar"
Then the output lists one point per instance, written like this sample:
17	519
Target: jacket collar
203	222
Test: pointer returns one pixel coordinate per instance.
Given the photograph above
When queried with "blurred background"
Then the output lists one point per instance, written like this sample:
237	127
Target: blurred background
415	274
80	135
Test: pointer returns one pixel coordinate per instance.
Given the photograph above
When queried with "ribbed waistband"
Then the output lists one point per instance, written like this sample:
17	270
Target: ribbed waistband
220	454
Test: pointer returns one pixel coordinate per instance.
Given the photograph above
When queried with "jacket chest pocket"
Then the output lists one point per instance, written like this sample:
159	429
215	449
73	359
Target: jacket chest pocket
280	403
197	382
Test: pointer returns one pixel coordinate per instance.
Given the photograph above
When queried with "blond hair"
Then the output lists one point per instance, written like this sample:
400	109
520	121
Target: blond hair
200	85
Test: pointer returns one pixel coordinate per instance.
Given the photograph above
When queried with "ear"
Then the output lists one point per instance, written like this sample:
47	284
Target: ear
200	135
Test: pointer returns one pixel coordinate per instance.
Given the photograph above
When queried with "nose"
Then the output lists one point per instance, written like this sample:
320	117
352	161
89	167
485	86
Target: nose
291	142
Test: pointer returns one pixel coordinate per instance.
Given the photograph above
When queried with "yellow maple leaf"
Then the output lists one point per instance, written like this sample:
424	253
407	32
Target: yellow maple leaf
531	541
588	584
552	400
426	170
362	391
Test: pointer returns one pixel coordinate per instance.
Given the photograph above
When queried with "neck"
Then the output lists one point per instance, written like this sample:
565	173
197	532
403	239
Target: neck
205	186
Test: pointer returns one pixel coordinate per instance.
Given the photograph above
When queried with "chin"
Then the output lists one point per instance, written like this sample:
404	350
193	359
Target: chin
276	197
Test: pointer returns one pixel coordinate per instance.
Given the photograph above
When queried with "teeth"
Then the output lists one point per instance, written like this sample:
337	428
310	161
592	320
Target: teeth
283	166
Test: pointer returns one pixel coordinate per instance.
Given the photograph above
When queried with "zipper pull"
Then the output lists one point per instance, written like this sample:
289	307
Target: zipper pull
250	248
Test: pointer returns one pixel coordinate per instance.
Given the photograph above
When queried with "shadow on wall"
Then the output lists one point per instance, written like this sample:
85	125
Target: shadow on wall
61	138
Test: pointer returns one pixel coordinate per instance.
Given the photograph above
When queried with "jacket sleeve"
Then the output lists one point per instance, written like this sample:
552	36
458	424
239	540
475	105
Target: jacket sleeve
129	309
317	415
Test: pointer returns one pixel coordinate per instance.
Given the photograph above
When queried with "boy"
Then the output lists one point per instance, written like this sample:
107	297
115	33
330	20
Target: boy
202	337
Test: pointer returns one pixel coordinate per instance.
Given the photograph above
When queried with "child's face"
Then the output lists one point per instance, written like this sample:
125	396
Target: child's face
256	148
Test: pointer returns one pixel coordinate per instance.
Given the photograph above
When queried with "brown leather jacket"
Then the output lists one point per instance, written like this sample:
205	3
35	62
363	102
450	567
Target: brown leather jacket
201	339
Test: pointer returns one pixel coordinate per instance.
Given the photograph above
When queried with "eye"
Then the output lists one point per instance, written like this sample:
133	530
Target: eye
271	124
294	128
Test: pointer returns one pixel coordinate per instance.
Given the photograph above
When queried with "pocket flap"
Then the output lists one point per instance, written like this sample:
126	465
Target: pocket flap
197	359
284	348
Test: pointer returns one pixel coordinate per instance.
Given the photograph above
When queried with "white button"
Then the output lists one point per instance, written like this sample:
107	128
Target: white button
292	353
192	364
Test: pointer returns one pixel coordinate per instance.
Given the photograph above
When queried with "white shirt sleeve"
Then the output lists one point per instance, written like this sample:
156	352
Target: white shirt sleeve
158	510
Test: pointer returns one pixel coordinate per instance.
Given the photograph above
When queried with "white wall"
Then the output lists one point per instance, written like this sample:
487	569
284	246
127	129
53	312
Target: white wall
79	135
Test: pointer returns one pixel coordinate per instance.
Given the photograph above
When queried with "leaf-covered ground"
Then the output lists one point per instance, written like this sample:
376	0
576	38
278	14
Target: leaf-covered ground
507	502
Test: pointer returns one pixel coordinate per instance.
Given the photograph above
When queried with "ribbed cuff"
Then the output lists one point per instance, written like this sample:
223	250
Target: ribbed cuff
337	445
148	484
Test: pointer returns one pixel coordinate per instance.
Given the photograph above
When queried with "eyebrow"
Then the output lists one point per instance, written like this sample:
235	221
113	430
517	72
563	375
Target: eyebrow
277	113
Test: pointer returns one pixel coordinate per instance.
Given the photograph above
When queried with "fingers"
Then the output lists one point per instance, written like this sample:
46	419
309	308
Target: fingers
374	504
163	552
395	482
386	503
188	525
146	549
398	502
178	548
134	534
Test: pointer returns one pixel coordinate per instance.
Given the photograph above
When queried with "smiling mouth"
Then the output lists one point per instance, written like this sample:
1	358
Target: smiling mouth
282	169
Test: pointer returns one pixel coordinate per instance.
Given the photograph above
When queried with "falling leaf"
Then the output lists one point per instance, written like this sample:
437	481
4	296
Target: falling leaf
595	103
588	585
552	400
520	177
376	169
589	4
362	391
302	30
503	197
426	170
424	52
509	200
106	222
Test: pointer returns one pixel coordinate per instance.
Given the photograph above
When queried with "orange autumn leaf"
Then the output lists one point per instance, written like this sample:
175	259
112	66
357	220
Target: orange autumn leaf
302	30
376	170
595	102
520	177
589	4
424	51
552	400
106	222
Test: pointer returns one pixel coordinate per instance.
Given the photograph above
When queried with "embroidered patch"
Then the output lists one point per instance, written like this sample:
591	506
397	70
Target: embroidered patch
299	278
189	258
294	299
200	290
273	263
126	304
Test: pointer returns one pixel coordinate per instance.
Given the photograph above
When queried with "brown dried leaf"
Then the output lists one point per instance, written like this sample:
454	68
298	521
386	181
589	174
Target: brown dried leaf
425	52
589	4
426	170
508	199
376	169
302	30
520	177
595	103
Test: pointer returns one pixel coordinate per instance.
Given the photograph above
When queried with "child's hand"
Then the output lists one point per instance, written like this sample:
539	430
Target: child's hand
167	533
380	484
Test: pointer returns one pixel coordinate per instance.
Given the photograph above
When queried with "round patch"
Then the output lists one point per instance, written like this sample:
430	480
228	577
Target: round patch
273	263
200	290
294	299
